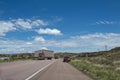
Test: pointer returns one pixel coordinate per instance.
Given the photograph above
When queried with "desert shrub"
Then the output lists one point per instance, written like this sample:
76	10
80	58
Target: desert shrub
97	72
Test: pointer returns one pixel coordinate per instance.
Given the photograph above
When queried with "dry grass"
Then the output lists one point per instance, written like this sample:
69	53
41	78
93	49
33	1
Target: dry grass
99	68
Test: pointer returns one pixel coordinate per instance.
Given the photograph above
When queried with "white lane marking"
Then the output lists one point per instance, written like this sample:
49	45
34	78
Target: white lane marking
39	71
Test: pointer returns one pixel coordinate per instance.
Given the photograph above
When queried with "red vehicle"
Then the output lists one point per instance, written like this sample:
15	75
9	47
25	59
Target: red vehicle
66	59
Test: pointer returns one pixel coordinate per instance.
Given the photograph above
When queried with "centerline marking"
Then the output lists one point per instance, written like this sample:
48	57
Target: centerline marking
39	71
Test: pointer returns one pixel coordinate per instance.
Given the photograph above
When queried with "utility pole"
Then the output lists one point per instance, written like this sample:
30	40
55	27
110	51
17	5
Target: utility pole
105	47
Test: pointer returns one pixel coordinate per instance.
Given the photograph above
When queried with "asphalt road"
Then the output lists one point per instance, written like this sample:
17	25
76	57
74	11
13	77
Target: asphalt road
20	70
49	70
61	71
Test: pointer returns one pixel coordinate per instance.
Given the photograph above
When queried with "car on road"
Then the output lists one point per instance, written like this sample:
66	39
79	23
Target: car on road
56	57
66	59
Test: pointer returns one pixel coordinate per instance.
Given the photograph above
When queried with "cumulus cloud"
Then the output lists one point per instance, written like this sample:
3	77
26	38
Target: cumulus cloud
22	23
49	31
6	27
16	24
88	42
99	39
39	39
78	43
28	23
18	46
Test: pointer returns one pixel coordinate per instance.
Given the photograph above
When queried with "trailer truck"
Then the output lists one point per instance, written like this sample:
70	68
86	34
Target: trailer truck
43	54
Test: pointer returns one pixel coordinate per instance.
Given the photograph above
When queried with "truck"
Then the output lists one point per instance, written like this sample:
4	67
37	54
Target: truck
43	54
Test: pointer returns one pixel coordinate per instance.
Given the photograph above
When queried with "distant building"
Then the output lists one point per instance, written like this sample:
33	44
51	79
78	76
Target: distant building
44	54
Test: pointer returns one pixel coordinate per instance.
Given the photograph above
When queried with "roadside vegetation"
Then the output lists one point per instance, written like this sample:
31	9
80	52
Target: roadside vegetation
101	67
15	57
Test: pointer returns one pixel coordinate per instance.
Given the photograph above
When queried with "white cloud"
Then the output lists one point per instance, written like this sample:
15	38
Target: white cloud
81	43
23	23
28	43
45	48
49	31
16	24
39	23
89	42
19	46
39	39
6	26
63	43
28	23
104	22
99	39
98	35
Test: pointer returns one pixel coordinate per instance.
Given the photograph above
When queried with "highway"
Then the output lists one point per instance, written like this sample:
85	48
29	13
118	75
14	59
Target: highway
40	70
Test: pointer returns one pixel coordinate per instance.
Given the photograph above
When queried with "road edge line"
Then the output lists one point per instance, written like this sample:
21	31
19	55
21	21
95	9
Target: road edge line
39	71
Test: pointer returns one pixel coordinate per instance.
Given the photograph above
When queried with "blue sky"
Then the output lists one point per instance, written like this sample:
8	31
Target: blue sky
59	25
